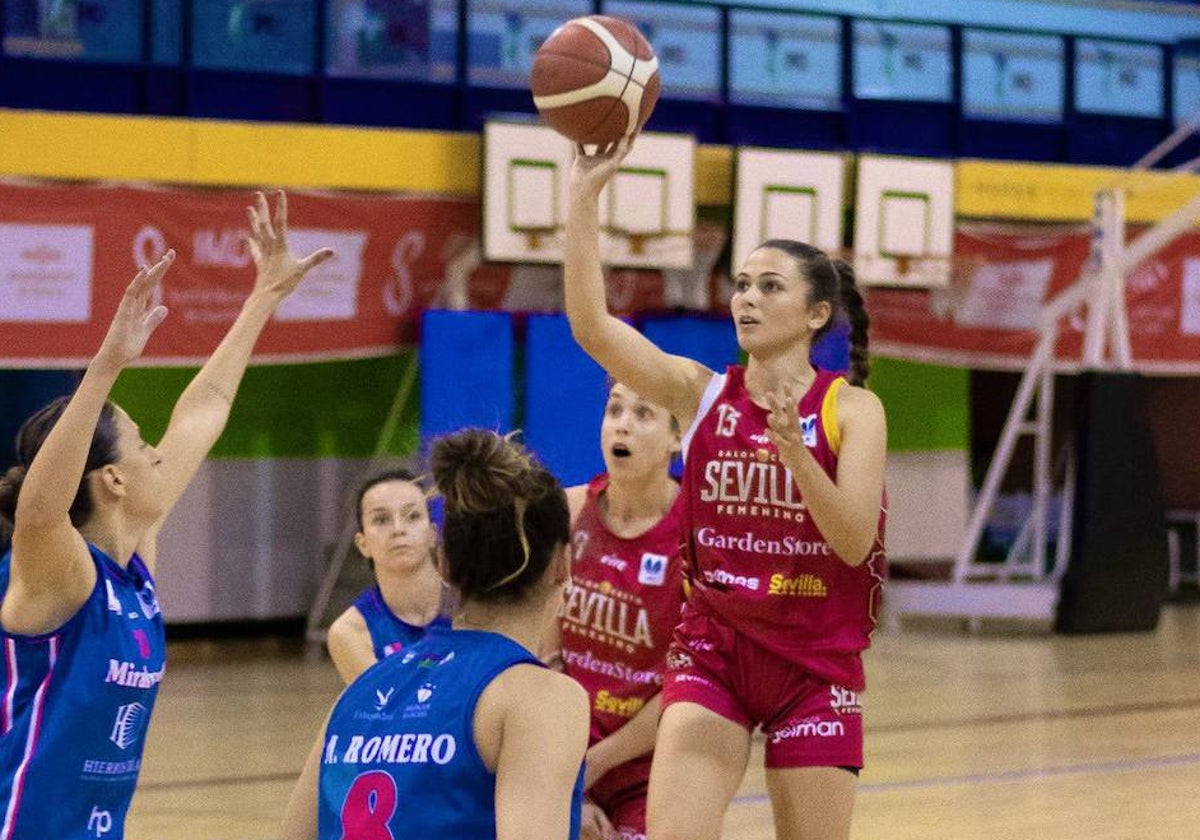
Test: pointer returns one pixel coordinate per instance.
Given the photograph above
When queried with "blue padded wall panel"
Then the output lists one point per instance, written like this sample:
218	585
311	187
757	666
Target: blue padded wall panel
1112	141
926	129
466	370
710	341
70	86
232	95
784	128
388	102
478	104
1040	142
565	393
832	352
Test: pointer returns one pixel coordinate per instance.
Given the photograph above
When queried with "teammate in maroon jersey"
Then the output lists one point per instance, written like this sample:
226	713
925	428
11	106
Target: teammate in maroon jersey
784	514
623	605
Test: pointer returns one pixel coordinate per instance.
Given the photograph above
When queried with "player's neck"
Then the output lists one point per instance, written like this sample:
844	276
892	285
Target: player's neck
630	507
106	531
524	623
415	596
770	374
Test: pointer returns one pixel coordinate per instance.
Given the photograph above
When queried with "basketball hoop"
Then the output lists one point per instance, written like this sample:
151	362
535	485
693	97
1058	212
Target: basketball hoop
535	237
639	240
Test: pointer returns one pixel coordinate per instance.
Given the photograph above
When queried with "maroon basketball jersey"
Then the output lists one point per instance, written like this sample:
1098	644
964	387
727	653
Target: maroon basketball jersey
621	610
757	560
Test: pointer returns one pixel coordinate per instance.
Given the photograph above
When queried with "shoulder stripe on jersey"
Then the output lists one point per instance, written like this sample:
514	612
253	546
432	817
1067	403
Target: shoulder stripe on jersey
829	415
35	726
10	685
715	386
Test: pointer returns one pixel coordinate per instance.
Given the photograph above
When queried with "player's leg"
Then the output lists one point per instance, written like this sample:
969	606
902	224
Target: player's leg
699	760
812	803
813	751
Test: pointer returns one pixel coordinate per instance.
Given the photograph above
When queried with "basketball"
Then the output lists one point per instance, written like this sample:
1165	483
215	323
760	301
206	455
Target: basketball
595	79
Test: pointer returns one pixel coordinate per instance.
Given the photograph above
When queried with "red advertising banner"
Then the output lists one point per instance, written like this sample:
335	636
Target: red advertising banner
989	316
67	252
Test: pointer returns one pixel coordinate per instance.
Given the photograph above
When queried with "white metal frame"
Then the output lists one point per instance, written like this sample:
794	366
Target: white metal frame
1021	587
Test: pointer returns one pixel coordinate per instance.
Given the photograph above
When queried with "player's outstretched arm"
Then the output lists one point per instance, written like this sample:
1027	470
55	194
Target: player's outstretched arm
52	574
202	410
674	382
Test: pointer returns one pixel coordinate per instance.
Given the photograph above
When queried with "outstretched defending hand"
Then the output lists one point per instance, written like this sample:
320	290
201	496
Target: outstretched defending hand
590	173
136	317
279	272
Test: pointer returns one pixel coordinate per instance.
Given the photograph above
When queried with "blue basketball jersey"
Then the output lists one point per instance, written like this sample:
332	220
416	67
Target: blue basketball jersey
399	757
390	634
75	708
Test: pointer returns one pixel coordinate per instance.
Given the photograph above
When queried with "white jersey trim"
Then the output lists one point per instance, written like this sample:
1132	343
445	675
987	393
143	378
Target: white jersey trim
715	386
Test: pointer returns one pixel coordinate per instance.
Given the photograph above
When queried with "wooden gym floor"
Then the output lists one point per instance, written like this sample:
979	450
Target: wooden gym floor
1010	733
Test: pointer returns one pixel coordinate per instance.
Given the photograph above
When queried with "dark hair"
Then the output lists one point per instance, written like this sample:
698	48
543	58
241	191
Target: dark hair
832	281
505	515
32	435
398	474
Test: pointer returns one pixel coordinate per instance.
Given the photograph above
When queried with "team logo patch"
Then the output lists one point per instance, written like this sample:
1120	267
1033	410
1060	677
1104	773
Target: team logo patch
425	692
128	725
148	600
653	570
808	430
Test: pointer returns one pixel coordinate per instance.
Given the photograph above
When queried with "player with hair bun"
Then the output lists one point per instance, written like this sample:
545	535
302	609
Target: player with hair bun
466	735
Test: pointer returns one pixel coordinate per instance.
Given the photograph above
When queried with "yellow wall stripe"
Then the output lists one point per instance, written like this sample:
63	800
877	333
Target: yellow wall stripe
39	144
89	146
1057	192
186	151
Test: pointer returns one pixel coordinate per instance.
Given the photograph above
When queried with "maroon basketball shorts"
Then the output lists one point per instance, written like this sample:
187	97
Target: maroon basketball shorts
807	721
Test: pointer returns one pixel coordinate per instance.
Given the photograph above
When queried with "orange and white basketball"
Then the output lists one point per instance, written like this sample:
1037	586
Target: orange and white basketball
595	79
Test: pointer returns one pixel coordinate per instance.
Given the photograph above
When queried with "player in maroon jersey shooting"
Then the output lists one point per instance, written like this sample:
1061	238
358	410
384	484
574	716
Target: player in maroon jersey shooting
784	514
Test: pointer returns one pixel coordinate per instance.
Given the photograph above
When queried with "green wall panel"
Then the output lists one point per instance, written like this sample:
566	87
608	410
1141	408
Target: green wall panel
338	409
317	410
928	406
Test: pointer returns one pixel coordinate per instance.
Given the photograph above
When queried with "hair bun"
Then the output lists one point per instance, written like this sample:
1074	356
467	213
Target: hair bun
478	471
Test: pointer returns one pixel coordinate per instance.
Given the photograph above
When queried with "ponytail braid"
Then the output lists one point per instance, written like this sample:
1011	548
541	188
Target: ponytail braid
860	323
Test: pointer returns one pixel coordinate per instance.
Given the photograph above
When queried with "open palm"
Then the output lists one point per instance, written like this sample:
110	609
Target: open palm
137	316
279	272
